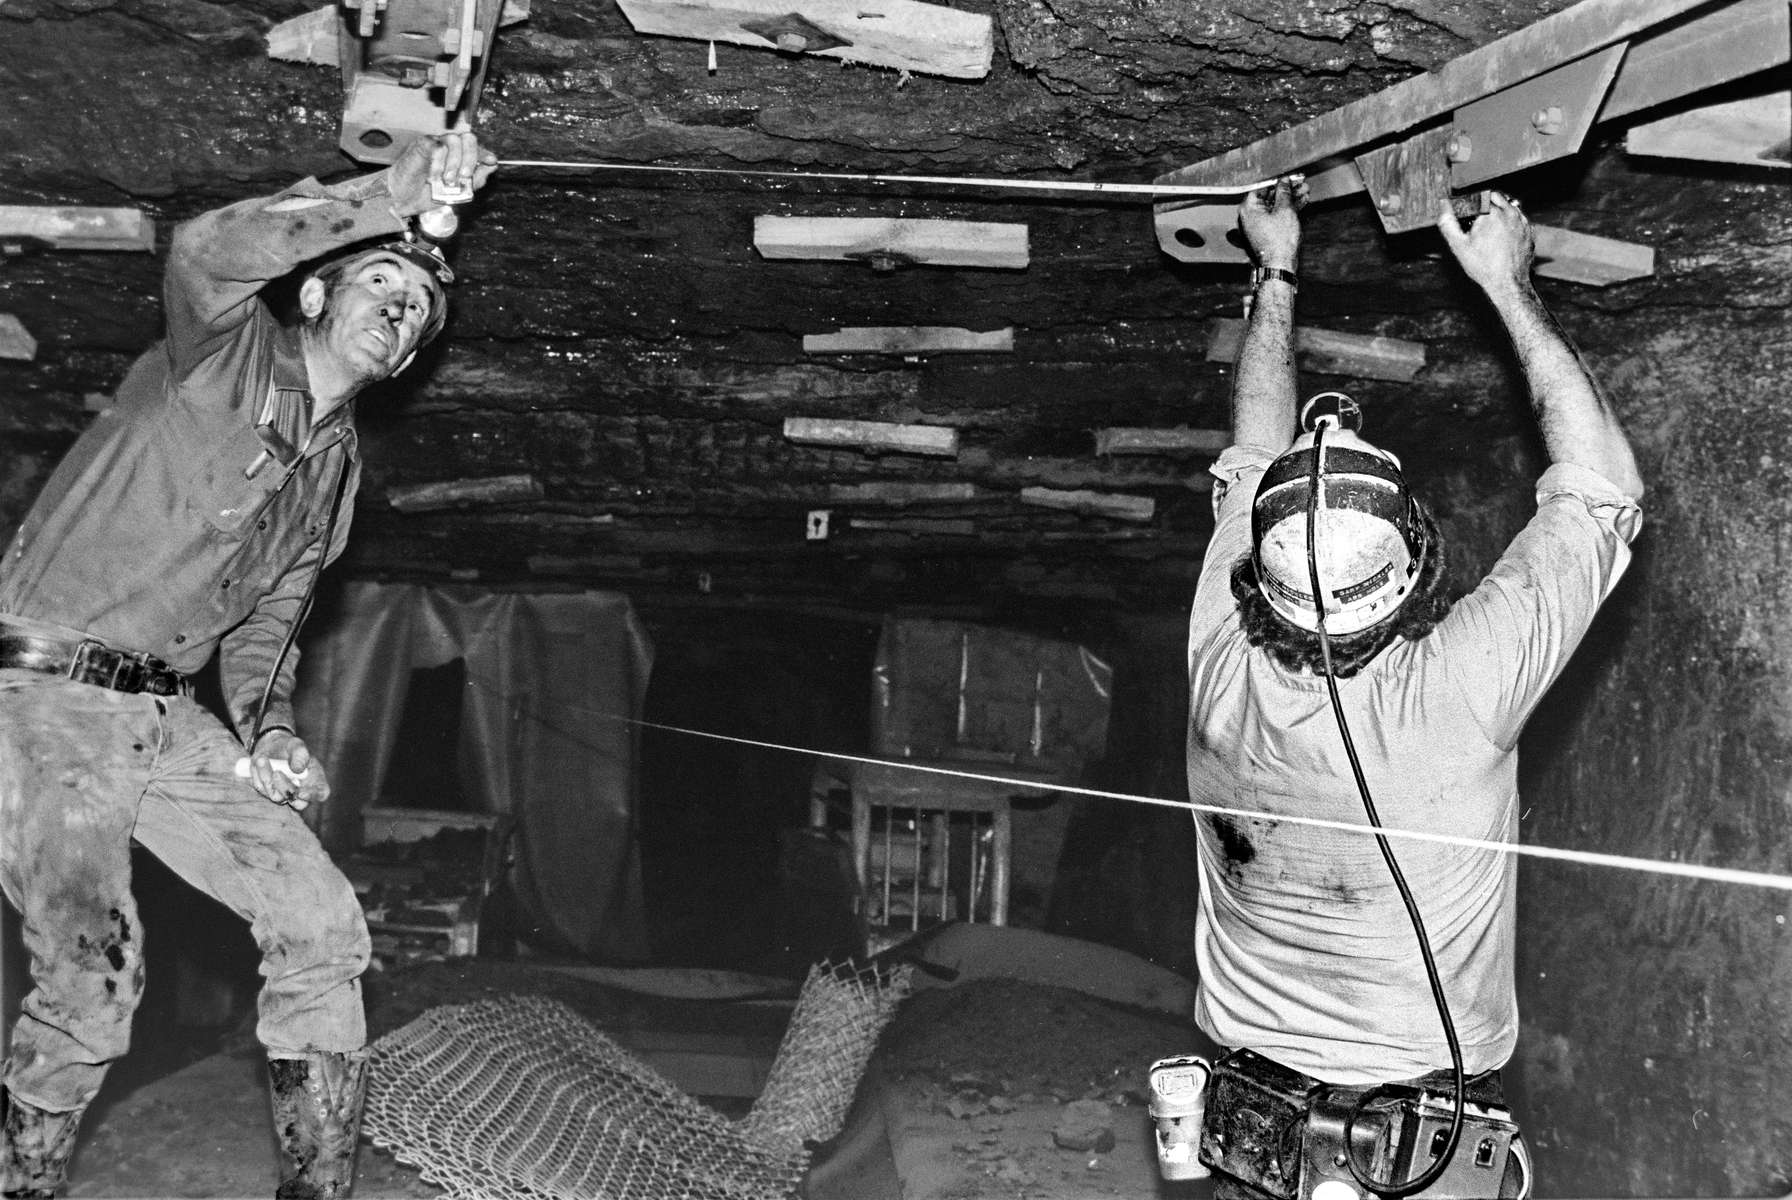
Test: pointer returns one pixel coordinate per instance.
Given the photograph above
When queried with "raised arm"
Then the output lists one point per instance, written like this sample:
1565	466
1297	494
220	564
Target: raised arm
220	261
1573	414
1263	391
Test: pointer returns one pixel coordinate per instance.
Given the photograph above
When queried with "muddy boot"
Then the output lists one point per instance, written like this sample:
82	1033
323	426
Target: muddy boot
34	1148
317	1119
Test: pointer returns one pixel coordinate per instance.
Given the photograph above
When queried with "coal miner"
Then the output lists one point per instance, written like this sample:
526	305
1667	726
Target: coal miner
193	517
1332	678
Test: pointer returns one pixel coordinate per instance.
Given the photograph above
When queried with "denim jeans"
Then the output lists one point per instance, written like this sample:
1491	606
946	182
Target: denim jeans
84	772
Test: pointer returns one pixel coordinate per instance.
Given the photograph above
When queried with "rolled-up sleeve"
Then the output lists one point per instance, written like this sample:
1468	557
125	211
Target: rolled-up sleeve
1620	513
221	260
1515	632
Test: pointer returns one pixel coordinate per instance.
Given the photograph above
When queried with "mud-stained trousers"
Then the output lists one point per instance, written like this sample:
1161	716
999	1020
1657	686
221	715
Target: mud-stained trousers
84	771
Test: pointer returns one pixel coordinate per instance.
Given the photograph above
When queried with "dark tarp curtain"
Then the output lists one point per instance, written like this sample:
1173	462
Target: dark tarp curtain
553	680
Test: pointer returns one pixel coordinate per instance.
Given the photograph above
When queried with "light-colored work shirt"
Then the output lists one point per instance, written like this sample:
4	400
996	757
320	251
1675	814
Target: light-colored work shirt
1304	949
167	529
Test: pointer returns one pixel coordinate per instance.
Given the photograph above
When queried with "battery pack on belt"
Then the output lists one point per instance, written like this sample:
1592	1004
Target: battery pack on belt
1282	1133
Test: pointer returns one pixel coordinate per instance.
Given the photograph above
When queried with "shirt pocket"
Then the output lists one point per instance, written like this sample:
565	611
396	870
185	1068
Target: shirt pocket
225	497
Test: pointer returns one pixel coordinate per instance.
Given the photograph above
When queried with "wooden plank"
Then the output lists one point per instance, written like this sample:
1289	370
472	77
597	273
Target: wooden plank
15	341
1094	504
1756	131
1327	351
1568	35
893	241
68	227
872	435
918	526
1587	258
1733	42
1063	471
586	564
1331	353
1181	440
900	492
909	339
496	489
307	38
562	520
905	35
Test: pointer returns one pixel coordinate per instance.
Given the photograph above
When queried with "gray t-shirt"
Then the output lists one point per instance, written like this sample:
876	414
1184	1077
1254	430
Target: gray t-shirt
1304	949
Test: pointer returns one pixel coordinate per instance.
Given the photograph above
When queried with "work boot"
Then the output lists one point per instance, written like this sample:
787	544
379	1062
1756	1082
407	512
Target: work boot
317	1119
36	1148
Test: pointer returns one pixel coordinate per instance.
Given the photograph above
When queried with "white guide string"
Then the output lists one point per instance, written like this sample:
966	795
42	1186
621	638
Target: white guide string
1591	858
1037	185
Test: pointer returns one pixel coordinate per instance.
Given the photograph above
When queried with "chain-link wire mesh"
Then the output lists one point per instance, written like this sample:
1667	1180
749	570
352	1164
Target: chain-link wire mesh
521	1099
838	1017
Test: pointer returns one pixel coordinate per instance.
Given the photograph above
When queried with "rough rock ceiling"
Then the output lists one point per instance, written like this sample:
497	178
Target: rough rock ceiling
619	338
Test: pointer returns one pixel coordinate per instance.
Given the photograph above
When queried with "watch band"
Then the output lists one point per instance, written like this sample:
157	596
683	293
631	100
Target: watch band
1259	274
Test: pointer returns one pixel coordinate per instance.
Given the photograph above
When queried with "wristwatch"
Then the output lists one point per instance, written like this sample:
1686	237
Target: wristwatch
1259	274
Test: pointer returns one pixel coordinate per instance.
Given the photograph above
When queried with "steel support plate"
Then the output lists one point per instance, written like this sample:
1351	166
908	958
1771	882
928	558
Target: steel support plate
1410	180
1543	118
1205	233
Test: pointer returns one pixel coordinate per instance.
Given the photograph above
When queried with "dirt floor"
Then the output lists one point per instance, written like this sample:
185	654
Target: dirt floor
977	1086
1022	1091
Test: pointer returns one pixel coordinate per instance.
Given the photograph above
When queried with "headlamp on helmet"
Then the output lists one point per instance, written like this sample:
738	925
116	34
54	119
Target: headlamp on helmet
419	252
1368	540
423	252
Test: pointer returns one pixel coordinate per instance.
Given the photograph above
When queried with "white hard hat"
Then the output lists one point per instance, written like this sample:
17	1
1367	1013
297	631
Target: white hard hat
1368	539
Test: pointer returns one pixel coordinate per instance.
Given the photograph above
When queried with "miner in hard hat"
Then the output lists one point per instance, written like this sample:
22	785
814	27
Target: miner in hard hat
1326	576
192	518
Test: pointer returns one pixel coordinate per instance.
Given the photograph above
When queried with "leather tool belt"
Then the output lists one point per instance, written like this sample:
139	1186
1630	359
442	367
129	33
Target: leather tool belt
91	662
1281	1133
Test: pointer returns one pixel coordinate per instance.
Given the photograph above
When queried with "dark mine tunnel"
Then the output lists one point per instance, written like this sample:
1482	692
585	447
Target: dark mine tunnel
757	680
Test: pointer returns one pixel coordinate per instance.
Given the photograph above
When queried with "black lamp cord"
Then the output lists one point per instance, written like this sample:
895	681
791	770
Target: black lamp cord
1431	1174
292	630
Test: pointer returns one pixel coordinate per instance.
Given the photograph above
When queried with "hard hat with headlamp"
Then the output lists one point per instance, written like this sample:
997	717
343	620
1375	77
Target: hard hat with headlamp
1368	541
422	253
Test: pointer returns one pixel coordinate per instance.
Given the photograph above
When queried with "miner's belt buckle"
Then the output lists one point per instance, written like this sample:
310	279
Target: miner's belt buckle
108	668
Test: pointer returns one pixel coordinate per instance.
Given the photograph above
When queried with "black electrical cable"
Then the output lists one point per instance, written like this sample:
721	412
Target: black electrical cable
304	609
1426	1178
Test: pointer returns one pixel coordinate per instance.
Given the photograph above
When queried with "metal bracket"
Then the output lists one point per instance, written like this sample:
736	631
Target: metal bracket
1208	233
1544	118
417	74
1410	180
1204	233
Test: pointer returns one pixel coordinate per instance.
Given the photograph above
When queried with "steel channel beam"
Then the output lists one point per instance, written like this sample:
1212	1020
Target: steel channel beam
1736	41
1566	36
